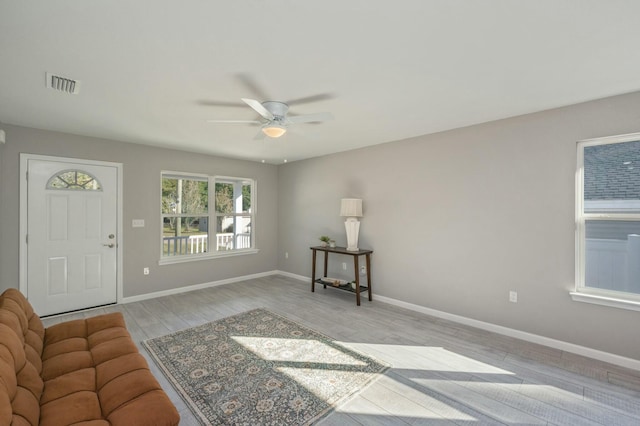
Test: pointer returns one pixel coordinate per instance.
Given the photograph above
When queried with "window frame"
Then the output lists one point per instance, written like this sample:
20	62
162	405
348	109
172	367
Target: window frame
211	216
582	293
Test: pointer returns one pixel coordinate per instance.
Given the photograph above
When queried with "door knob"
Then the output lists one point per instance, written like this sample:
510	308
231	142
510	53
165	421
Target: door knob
109	245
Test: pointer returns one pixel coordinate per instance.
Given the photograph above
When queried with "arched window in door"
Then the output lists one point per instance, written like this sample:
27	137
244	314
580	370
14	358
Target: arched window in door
74	180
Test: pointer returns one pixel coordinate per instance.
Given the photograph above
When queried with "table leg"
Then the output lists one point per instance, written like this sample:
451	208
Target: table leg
313	272
368	256
326	262
355	265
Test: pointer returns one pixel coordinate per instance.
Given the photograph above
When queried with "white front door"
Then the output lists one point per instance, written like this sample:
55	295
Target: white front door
71	242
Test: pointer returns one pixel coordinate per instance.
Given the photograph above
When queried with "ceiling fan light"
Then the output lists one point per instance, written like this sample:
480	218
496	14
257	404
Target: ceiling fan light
274	130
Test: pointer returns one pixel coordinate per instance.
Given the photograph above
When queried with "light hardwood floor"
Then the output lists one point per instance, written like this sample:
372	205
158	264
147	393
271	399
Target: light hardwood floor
441	372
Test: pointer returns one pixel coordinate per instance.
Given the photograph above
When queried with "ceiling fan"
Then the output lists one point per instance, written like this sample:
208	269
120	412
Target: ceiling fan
275	121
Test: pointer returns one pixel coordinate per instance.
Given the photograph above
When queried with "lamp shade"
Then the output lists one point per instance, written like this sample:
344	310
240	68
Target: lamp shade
351	207
274	130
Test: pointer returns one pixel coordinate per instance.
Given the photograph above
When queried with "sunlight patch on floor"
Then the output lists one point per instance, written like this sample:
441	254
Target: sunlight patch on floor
321	382
318	367
403	401
425	358
296	350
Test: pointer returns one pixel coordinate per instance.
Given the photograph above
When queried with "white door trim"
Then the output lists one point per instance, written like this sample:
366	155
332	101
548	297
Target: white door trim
24	158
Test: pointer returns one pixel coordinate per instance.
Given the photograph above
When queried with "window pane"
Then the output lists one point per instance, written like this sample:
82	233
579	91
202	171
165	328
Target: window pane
246	198
233	196
193	197
184	235
612	178
233	232
224	198
169	196
612	255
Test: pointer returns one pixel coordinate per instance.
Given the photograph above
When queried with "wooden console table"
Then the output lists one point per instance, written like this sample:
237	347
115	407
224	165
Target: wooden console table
343	250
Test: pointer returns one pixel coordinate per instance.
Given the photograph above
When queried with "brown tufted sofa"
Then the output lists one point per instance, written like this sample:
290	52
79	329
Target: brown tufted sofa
83	372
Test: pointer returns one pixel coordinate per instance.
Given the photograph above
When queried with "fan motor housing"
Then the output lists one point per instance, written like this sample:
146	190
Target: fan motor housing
278	109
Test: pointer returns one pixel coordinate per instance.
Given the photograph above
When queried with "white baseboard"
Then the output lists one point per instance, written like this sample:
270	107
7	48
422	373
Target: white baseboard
179	290
294	276
522	335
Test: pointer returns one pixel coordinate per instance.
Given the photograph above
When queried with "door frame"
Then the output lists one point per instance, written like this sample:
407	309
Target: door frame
24	159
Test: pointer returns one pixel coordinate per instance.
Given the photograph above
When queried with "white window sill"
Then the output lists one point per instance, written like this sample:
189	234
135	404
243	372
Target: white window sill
170	260
610	301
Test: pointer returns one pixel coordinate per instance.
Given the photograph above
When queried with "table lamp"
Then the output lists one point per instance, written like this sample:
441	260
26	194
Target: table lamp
351	208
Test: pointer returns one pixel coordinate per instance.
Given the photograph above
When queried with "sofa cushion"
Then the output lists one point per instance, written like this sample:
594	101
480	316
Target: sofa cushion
32	327
79	406
97	355
21	386
76	381
83	372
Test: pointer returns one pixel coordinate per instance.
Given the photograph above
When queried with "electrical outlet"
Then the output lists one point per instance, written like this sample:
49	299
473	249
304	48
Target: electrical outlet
286	254
145	271
363	270
513	296
344	266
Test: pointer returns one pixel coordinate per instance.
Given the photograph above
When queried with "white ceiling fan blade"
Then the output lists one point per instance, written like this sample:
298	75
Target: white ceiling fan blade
308	99
235	121
310	118
259	108
252	85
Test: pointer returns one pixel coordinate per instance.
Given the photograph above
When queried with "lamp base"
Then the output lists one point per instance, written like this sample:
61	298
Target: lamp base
352	226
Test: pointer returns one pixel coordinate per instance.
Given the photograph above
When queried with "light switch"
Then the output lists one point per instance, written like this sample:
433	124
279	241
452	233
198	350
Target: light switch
137	223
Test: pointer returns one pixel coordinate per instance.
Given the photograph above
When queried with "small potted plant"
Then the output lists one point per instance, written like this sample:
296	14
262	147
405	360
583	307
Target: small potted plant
325	240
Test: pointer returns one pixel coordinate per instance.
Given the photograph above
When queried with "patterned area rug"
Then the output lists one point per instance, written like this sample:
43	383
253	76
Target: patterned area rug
259	368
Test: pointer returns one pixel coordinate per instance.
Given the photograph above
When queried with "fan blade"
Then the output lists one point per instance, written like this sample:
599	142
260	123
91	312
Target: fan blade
207	102
235	121
310	118
259	136
292	133
248	81
308	99
259	108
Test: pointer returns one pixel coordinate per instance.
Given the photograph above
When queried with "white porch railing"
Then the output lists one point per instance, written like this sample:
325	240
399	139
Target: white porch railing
197	244
174	245
225	241
193	244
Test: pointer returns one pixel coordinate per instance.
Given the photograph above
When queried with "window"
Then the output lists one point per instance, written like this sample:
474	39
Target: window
608	222
74	179
189	206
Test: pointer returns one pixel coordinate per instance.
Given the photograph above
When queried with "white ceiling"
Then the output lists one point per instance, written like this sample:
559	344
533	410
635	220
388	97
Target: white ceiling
154	71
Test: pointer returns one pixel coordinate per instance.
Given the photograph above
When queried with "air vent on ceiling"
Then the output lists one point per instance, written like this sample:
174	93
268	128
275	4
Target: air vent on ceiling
63	84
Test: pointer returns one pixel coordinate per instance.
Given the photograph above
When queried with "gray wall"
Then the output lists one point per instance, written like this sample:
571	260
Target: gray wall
2	207
141	200
458	219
